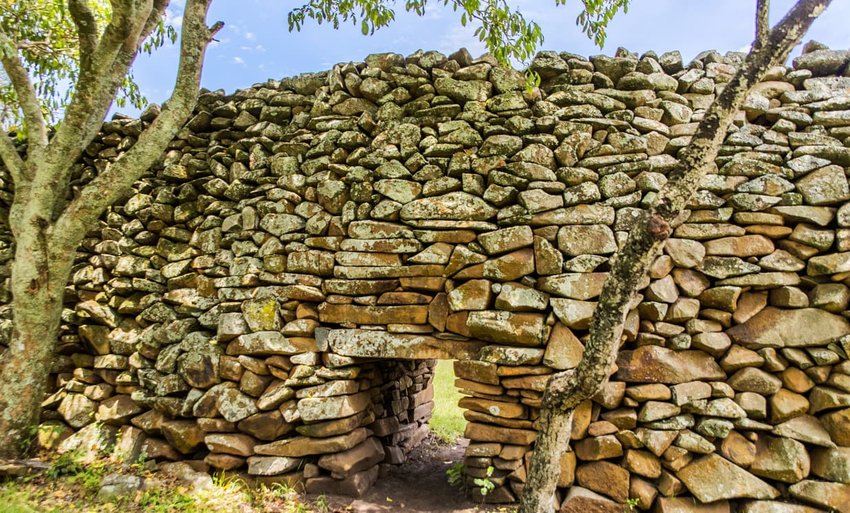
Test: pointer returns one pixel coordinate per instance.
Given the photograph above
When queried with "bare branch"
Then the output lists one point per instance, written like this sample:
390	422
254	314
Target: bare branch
86	25
110	185
11	159
27	97
762	22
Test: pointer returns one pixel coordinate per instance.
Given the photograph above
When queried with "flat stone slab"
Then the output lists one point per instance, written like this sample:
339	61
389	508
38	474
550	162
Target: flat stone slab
802	327
380	344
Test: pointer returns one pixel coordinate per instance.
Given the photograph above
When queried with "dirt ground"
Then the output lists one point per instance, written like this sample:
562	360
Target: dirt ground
418	485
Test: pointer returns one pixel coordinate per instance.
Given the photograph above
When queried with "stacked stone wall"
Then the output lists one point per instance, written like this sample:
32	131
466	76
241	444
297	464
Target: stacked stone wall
272	296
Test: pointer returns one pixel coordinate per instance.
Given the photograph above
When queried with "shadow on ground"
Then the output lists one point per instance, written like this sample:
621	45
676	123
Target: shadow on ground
419	485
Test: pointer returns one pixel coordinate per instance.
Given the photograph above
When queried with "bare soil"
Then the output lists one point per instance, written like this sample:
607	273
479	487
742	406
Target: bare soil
418	485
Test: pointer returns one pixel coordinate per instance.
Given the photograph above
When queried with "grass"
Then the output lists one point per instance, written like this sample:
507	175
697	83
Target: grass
68	487
447	421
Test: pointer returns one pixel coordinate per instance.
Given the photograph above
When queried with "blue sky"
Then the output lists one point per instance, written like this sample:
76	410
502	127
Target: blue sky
255	44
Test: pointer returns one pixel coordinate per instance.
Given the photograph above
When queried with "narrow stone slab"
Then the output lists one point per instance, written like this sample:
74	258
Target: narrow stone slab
304	446
380	344
803	327
456	206
270	343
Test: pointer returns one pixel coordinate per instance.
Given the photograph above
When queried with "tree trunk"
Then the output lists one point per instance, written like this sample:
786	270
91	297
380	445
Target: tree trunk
553	440
37	291
628	268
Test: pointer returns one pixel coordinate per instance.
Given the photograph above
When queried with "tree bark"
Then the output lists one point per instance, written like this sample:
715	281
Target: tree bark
47	236
566	390
37	290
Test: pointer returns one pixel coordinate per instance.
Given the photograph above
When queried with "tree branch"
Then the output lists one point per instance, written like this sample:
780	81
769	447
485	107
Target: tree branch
30	105
11	159
565	391
111	184
132	21
762	22
86	25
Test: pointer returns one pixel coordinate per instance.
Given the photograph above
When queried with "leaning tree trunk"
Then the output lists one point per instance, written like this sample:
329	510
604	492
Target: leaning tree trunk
566	390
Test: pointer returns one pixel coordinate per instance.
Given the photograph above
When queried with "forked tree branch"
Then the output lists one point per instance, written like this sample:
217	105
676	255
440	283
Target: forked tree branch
25	91
109	87
86	25
111	184
92	97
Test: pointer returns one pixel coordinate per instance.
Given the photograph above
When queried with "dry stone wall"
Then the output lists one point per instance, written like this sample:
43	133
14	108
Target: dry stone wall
271	298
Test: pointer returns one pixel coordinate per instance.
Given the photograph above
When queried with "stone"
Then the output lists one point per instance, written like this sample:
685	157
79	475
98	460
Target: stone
115	486
282	224
272	465
471	295
324	408
781	459
655	364
519	298
118	409
825	186
832	263
506	239
804	327
806	428
488	433
230	443
521	329
563	350
712	478
832	464
458	206
737	449
342	313
183	435
380	344
355	485
598	448
266	343
593	239
360	457
77	410
685	253
751	379
744	246
582	286
832	496
511	266
837	423
775	507
305	446
582	500
605	478
573	313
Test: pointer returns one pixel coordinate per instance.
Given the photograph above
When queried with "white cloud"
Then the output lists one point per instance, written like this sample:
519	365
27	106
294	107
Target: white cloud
462	37
250	36
239	60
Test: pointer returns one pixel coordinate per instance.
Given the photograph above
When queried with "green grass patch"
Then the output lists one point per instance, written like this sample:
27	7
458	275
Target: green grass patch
447	422
15	501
